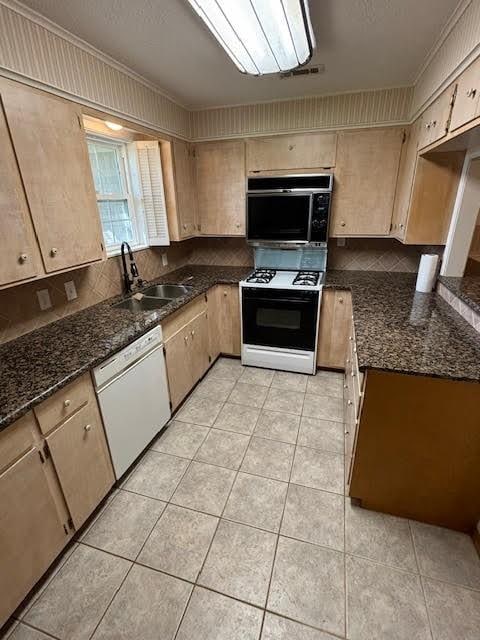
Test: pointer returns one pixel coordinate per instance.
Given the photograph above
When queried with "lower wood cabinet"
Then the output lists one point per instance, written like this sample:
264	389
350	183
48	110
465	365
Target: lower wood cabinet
31	532
416	449
187	354
48	487
82	462
334	328
224	320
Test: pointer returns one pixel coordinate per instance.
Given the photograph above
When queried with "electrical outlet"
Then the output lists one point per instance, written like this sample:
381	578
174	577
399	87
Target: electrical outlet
164	259
44	299
341	242
70	290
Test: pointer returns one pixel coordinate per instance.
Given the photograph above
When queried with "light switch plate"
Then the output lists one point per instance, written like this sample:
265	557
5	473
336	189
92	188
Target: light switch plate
164	259
44	301
70	290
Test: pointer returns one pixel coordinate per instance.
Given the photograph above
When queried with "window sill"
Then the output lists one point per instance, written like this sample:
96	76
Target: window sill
116	251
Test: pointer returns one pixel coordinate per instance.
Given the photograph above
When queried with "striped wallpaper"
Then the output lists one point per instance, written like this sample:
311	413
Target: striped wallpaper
42	54
48	56
366	108
461	43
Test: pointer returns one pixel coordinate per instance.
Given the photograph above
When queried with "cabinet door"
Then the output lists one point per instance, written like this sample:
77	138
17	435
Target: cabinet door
221	187
185	188
435	119
180	379
406	175
82	462
50	145
31	533
301	151
334	329
230	320
467	101
19	256
365	178
198	352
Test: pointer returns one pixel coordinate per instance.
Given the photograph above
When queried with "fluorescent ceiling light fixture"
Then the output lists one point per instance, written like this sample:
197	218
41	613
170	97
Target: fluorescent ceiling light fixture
260	36
113	125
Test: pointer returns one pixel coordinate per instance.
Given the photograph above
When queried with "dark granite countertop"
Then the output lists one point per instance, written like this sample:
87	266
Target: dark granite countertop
396	330
399	329
37	364
466	288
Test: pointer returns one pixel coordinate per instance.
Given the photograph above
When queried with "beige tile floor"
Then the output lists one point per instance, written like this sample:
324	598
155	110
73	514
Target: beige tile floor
234	526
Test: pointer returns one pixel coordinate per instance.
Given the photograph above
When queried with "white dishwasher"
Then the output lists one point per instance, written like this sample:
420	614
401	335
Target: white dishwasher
133	396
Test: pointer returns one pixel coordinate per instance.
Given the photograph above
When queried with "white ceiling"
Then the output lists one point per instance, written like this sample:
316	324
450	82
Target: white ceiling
364	44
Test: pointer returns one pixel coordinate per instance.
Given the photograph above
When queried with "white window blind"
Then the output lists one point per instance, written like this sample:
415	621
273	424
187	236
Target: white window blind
147	185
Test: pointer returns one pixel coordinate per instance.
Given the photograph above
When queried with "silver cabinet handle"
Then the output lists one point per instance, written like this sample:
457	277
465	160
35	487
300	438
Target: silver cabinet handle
88	427
53	252
66	403
23	257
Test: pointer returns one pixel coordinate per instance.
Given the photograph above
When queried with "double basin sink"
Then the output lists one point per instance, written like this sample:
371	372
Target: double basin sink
154	297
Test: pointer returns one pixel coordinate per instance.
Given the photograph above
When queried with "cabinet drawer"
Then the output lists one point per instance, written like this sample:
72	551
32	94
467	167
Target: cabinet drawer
16	440
64	403
183	316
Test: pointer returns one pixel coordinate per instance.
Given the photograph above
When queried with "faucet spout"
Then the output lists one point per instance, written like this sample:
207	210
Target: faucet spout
128	280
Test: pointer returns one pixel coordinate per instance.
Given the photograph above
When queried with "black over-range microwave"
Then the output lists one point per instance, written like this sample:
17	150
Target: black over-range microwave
290	209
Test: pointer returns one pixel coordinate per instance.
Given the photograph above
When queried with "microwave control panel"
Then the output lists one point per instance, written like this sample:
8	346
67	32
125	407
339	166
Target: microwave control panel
320	212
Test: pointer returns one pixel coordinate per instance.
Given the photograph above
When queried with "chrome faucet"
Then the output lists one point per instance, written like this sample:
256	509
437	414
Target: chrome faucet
129	280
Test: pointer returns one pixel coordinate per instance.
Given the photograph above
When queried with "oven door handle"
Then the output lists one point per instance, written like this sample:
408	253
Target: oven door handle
281	300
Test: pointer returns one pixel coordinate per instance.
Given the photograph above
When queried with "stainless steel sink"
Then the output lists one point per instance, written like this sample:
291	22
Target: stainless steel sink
169	291
144	304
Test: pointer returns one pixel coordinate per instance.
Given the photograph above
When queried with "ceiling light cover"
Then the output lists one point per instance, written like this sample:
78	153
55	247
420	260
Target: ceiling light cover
114	126
260	36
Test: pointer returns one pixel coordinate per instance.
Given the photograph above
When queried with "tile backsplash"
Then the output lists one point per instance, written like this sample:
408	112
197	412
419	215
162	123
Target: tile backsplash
20	313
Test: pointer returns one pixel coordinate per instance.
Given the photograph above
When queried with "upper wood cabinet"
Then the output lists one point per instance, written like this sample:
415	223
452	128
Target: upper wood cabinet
19	257
178	164
364	181
426	189
467	100
435	119
334	328
220	174
50	147
300	151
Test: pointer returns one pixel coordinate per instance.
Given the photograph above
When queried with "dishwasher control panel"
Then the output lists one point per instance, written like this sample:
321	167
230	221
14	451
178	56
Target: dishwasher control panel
127	356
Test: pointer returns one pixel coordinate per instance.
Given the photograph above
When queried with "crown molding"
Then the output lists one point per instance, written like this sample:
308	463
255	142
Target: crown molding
458	12
49	25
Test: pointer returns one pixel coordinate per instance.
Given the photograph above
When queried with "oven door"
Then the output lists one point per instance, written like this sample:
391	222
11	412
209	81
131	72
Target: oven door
280	318
279	217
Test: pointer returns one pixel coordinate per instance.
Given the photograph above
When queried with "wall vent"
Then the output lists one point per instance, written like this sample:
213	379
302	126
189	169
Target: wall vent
303	71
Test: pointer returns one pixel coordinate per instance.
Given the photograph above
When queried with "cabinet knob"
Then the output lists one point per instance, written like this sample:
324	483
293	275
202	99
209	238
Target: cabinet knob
22	258
66	403
349	403
347	432
186	338
427	126
434	123
291	147
185	227
238	225
353	374
342	223
471	93
225	294
88	427
401	226
340	300
193	332
53	252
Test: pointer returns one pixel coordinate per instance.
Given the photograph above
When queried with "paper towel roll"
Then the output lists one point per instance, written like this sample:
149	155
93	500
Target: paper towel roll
427	272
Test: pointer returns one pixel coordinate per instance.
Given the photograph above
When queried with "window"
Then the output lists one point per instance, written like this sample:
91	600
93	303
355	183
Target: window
115	204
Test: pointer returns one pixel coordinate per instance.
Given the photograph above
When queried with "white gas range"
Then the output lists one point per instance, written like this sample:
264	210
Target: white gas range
280	311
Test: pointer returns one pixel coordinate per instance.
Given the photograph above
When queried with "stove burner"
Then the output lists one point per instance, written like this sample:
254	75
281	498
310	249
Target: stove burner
262	276
309	278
